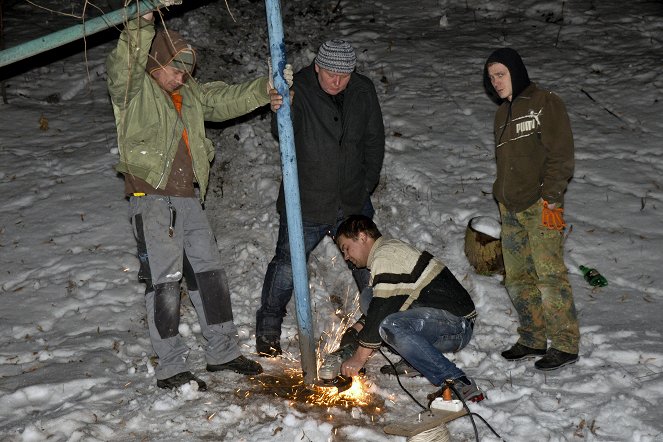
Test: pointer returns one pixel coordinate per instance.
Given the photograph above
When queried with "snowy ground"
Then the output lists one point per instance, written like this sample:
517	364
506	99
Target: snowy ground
75	359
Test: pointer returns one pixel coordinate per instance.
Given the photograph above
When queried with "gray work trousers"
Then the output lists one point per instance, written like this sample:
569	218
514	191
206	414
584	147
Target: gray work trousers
175	240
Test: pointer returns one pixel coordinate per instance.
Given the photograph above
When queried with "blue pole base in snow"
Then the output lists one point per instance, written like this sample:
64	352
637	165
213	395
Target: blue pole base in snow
291	190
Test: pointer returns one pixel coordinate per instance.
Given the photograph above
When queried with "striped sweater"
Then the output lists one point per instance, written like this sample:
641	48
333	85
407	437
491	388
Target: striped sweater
402	278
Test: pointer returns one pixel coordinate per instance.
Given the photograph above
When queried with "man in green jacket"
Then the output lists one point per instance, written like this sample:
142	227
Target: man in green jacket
534	153
164	156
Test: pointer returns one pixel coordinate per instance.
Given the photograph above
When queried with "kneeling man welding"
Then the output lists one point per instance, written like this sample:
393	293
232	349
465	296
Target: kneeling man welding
413	303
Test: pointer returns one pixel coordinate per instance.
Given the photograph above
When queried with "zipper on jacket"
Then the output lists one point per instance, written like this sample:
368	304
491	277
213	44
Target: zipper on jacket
499	140
173	135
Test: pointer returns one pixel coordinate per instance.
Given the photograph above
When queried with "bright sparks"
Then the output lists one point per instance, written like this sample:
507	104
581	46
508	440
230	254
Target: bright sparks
355	396
358	393
291	386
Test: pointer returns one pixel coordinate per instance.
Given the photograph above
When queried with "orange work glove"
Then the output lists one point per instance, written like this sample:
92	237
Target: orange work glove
552	218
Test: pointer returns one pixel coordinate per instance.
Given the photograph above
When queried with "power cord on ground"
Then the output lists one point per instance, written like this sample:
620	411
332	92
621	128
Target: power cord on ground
450	385
399	380
487	424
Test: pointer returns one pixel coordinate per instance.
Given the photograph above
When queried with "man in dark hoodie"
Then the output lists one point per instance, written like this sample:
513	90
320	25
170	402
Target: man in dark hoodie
534	152
164	156
339	141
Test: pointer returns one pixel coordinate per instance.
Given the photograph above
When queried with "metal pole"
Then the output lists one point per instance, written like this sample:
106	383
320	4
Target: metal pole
3	88
291	188
73	33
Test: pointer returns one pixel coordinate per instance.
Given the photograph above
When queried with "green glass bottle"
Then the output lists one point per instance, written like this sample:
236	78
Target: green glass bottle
593	277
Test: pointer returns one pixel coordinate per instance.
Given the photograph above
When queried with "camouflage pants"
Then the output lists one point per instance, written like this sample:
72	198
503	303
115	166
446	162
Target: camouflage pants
537	281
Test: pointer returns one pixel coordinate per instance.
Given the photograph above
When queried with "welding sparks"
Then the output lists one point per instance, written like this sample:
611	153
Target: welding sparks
291	386
357	392
330	340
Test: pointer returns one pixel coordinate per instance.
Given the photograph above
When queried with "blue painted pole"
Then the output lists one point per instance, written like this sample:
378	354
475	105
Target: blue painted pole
73	33
291	188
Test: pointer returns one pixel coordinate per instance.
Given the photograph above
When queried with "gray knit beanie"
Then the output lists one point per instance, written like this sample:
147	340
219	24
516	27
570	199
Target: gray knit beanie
336	56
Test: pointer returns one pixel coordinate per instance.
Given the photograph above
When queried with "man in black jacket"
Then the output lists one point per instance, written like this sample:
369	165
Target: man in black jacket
339	142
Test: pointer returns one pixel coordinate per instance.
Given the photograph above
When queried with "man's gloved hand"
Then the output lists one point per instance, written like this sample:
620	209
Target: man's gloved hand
288	74
349	337
552	216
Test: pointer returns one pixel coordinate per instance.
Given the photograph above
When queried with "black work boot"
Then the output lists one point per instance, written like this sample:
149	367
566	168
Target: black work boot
180	379
268	346
240	365
555	359
519	351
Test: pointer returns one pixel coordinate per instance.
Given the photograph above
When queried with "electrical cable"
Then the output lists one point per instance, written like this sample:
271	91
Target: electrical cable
399	380
450	384
436	434
488	425
470	413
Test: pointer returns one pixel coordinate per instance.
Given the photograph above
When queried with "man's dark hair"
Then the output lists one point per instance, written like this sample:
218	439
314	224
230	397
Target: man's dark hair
353	225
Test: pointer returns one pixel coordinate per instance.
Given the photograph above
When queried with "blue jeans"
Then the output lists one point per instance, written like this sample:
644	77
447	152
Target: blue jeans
278	286
422	335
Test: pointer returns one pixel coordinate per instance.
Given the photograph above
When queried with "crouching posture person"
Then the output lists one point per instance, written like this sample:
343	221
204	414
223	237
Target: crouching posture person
164	155
414	304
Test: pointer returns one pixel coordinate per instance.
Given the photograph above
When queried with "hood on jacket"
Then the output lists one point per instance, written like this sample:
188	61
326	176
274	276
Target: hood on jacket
170	48
519	78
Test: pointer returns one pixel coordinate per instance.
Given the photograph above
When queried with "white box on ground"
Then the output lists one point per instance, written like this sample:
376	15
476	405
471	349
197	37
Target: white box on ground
441	404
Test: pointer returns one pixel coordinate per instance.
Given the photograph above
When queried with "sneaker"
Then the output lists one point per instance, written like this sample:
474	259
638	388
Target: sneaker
180	379
466	387
519	351
268	346
555	359
403	369
240	365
